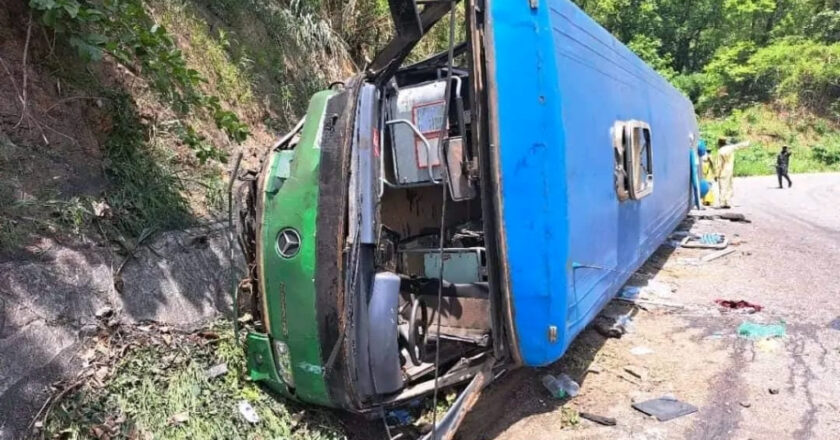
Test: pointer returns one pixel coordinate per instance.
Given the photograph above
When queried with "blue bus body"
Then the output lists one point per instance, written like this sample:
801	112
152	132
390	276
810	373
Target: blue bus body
560	82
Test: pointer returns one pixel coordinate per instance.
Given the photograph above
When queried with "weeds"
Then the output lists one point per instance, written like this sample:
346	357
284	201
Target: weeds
124	30
160	389
814	141
145	194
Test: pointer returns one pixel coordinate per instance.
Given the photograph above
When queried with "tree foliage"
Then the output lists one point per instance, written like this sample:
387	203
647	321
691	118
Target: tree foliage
727	54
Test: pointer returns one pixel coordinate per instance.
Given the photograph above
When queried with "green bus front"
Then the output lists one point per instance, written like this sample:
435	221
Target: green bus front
342	232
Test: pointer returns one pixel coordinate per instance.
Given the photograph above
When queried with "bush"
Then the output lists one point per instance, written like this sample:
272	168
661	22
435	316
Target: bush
827	156
795	71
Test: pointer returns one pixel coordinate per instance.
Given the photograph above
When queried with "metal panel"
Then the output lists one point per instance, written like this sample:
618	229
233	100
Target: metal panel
424	106
461	266
368	164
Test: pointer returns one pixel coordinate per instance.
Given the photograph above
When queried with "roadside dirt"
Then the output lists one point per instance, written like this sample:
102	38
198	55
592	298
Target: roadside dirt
785	260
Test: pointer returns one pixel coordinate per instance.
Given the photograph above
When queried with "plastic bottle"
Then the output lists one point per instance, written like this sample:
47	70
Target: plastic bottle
560	387
553	386
569	386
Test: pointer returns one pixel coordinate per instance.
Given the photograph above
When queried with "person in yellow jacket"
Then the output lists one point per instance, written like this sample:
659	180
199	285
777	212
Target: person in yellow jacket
723	169
708	175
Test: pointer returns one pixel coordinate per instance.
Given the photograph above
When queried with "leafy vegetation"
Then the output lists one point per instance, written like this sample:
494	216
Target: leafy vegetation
814	144
764	70
124	29
160	388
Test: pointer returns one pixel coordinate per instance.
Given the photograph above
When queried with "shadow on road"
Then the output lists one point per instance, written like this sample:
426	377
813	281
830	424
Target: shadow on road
520	393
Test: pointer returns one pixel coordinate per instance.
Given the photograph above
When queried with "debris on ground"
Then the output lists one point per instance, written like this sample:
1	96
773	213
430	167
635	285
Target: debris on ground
630	292
216	371
773	391
399	417
745	404
595	369
651	293
608	328
623	323
665	408
705	241
739	305
716	335
248	412
768	345
715	255
561	386
102	209
640	351
835	324
637	372
601	420
104	312
755	332
653	289
711	215
734	217
179	418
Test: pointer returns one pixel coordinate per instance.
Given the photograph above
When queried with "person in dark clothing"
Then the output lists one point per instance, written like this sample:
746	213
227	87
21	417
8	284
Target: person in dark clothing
782	164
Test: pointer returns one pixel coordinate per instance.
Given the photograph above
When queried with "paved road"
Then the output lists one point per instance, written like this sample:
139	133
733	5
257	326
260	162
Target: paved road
787	260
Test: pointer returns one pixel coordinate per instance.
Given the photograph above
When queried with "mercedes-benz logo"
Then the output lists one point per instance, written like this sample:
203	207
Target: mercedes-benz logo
288	243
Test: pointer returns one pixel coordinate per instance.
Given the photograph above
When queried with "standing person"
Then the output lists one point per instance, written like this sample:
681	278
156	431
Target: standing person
697	197
724	166
782	164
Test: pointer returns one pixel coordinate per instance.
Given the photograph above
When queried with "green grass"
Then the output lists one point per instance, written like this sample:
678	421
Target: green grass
814	141
209	53
145	193
159	390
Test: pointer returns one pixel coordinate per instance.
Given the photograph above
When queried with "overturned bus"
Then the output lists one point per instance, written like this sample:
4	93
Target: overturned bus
429	224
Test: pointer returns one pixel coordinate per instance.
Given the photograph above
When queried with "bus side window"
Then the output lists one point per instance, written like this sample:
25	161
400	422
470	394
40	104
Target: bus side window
633	160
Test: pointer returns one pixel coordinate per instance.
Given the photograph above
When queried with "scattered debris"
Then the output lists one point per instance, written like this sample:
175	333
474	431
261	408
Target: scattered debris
630	292
608	328
715	255
754	331
835	324
245	318
104	312
665	408
745	404
773	391
734	217
102	209
601	420
637	372
248	412
768	345
716	335
561	386
399	417
179	418
739	305
712	215
653	289
216	371
640	351
705	241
